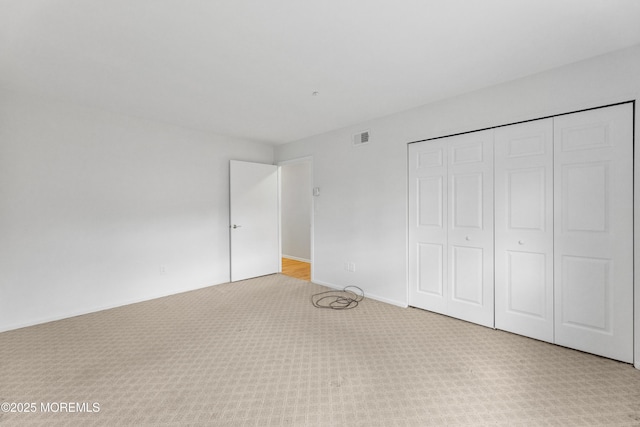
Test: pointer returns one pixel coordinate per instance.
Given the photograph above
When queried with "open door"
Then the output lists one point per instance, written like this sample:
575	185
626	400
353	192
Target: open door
296	217
253	220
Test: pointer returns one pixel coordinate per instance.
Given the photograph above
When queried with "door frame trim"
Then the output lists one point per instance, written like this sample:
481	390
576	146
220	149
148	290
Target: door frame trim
308	159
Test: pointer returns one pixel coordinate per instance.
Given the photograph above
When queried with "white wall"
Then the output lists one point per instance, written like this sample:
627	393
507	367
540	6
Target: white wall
295	204
361	215
93	205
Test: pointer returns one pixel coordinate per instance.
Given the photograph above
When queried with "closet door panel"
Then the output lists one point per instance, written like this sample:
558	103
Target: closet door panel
524	229
470	231
594	231
430	270
428	225
466	275
526	197
526	293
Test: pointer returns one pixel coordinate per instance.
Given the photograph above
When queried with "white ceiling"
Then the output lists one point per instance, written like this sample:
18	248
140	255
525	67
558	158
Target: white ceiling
249	68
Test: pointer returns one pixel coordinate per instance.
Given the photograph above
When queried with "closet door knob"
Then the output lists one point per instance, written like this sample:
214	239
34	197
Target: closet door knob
467	238
520	242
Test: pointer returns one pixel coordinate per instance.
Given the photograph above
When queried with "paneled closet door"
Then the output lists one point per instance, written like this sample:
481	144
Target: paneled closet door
594	231
524	229
427	168
451	226
470	227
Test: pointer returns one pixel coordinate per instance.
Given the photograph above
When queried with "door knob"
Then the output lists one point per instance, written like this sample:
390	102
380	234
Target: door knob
236	226
520	242
467	238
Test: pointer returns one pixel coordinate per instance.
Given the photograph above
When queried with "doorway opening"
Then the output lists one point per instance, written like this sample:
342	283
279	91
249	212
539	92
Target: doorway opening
296	218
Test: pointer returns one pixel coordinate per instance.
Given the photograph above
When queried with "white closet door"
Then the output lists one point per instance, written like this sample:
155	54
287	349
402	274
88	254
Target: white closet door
428	225
470	227
594	231
524	229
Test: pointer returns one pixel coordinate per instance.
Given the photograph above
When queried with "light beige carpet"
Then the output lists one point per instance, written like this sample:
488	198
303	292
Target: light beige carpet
257	353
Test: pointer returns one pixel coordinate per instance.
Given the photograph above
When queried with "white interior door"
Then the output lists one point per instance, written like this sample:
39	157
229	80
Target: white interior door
594	231
254	220
470	228
428	225
451	226
524	229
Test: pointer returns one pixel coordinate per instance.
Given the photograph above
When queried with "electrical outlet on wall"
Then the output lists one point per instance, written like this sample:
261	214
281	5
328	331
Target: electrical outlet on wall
350	266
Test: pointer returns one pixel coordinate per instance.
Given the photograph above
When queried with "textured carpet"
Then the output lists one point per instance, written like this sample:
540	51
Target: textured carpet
257	353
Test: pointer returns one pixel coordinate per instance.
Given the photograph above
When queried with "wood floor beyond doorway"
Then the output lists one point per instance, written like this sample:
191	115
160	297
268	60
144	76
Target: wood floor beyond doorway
298	269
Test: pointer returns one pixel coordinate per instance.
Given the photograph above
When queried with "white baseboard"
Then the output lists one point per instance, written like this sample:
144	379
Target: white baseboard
48	319
42	320
367	295
295	258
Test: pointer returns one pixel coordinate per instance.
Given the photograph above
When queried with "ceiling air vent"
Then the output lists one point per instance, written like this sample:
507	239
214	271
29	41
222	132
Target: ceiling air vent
361	138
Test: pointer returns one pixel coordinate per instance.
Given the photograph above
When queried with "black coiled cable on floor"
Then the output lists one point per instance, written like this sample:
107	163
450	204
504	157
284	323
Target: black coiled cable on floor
338	300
